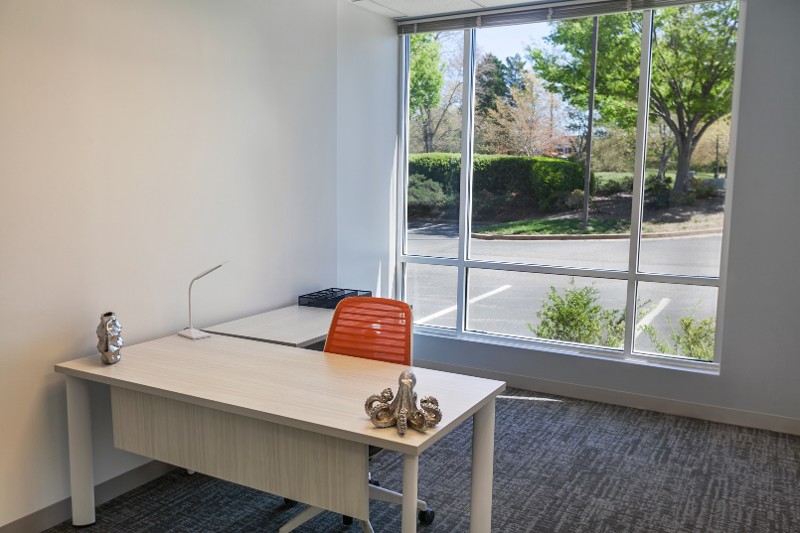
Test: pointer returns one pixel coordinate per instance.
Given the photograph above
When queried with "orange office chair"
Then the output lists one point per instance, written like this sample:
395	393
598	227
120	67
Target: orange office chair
373	328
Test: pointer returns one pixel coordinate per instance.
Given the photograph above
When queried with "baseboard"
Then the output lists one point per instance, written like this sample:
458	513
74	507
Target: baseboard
108	490
712	413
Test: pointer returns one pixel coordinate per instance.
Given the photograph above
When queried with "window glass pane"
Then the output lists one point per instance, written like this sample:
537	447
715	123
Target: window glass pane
677	320
572	309
533	134
694	50
431	291
434	143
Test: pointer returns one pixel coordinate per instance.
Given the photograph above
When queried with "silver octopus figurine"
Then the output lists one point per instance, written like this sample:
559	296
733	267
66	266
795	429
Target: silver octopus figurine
386	410
109	341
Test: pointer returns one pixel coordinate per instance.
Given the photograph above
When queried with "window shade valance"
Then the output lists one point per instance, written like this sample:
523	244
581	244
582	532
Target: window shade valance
533	13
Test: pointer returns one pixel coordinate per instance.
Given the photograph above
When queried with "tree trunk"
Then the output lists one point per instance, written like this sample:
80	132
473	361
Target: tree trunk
685	150
427	135
667	149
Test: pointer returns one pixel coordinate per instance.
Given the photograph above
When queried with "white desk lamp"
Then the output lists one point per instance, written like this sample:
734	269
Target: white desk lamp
190	332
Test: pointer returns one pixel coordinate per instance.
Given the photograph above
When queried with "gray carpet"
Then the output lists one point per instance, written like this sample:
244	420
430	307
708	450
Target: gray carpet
561	465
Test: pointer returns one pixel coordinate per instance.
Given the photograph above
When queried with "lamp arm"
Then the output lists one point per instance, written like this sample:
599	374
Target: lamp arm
202	274
190	303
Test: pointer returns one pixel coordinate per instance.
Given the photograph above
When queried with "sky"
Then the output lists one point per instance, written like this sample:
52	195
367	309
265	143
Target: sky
509	40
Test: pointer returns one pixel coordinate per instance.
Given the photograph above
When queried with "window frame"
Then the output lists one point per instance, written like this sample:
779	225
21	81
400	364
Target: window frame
632	276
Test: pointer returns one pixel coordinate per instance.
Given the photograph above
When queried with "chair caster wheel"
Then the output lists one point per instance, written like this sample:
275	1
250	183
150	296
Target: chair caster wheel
426	517
347	520
289	503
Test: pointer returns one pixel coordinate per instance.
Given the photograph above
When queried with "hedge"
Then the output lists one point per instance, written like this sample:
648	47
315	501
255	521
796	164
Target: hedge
542	182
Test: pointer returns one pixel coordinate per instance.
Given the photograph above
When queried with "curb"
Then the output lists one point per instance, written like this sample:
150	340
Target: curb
599	236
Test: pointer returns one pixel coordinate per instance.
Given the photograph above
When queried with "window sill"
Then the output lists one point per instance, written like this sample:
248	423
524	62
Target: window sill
570	350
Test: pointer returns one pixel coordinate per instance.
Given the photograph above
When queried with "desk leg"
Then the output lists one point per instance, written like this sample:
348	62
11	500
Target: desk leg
482	469
81	471
410	482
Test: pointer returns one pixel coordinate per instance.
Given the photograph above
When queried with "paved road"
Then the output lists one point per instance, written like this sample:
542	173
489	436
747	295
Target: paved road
507	302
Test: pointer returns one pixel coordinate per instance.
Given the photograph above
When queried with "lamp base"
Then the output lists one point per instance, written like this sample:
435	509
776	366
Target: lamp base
194	334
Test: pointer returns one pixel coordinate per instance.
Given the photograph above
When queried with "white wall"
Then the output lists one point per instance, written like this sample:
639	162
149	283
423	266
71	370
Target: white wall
760	347
368	49
140	143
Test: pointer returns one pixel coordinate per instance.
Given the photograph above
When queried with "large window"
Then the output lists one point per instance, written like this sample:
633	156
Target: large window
566	180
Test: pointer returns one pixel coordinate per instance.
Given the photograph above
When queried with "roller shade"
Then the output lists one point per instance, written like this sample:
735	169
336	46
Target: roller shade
537	13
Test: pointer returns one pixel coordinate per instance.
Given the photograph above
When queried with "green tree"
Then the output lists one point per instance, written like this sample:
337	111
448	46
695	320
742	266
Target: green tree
426	70
514	72
692	70
427	73
490	84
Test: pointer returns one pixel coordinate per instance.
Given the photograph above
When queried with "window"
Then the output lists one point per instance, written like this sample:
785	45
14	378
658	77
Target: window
566	180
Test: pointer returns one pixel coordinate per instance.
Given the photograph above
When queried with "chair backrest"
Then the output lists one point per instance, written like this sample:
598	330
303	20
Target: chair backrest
373	328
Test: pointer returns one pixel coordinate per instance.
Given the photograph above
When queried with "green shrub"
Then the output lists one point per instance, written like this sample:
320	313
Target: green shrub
426	199
693	338
610	187
526	182
503	174
554	179
575	199
444	169
657	191
700	188
575	316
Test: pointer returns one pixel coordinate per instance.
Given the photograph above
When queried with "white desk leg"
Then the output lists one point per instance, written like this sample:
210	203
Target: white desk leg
410	480
81	471
482	469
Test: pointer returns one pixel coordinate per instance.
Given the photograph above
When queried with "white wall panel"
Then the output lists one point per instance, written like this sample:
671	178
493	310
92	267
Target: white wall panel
141	143
366	135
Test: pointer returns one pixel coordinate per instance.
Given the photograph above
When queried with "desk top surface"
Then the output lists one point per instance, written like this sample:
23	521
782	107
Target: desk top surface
294	326
316	391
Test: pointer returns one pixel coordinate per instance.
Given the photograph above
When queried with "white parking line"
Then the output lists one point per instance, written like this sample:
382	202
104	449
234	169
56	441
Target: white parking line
453	308
649	317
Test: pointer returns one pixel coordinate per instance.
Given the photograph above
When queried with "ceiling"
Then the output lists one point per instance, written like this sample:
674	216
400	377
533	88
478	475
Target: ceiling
400	9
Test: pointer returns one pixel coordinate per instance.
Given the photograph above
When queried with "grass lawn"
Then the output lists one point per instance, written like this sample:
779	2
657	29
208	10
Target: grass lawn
618	176
557	226
612	215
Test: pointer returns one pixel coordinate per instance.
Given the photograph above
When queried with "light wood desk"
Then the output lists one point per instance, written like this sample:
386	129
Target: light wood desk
277	418
294	326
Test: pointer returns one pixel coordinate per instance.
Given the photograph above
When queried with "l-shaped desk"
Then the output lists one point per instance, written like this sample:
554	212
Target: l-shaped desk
277	418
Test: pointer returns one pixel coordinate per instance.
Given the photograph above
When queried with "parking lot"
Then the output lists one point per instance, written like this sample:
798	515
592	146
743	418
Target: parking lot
507	302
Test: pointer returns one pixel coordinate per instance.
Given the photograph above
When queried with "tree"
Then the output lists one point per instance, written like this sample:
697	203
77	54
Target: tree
490	84
711	153
661	146
431	101
692	70
514	72
426	72
526	123
613	150
693	73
